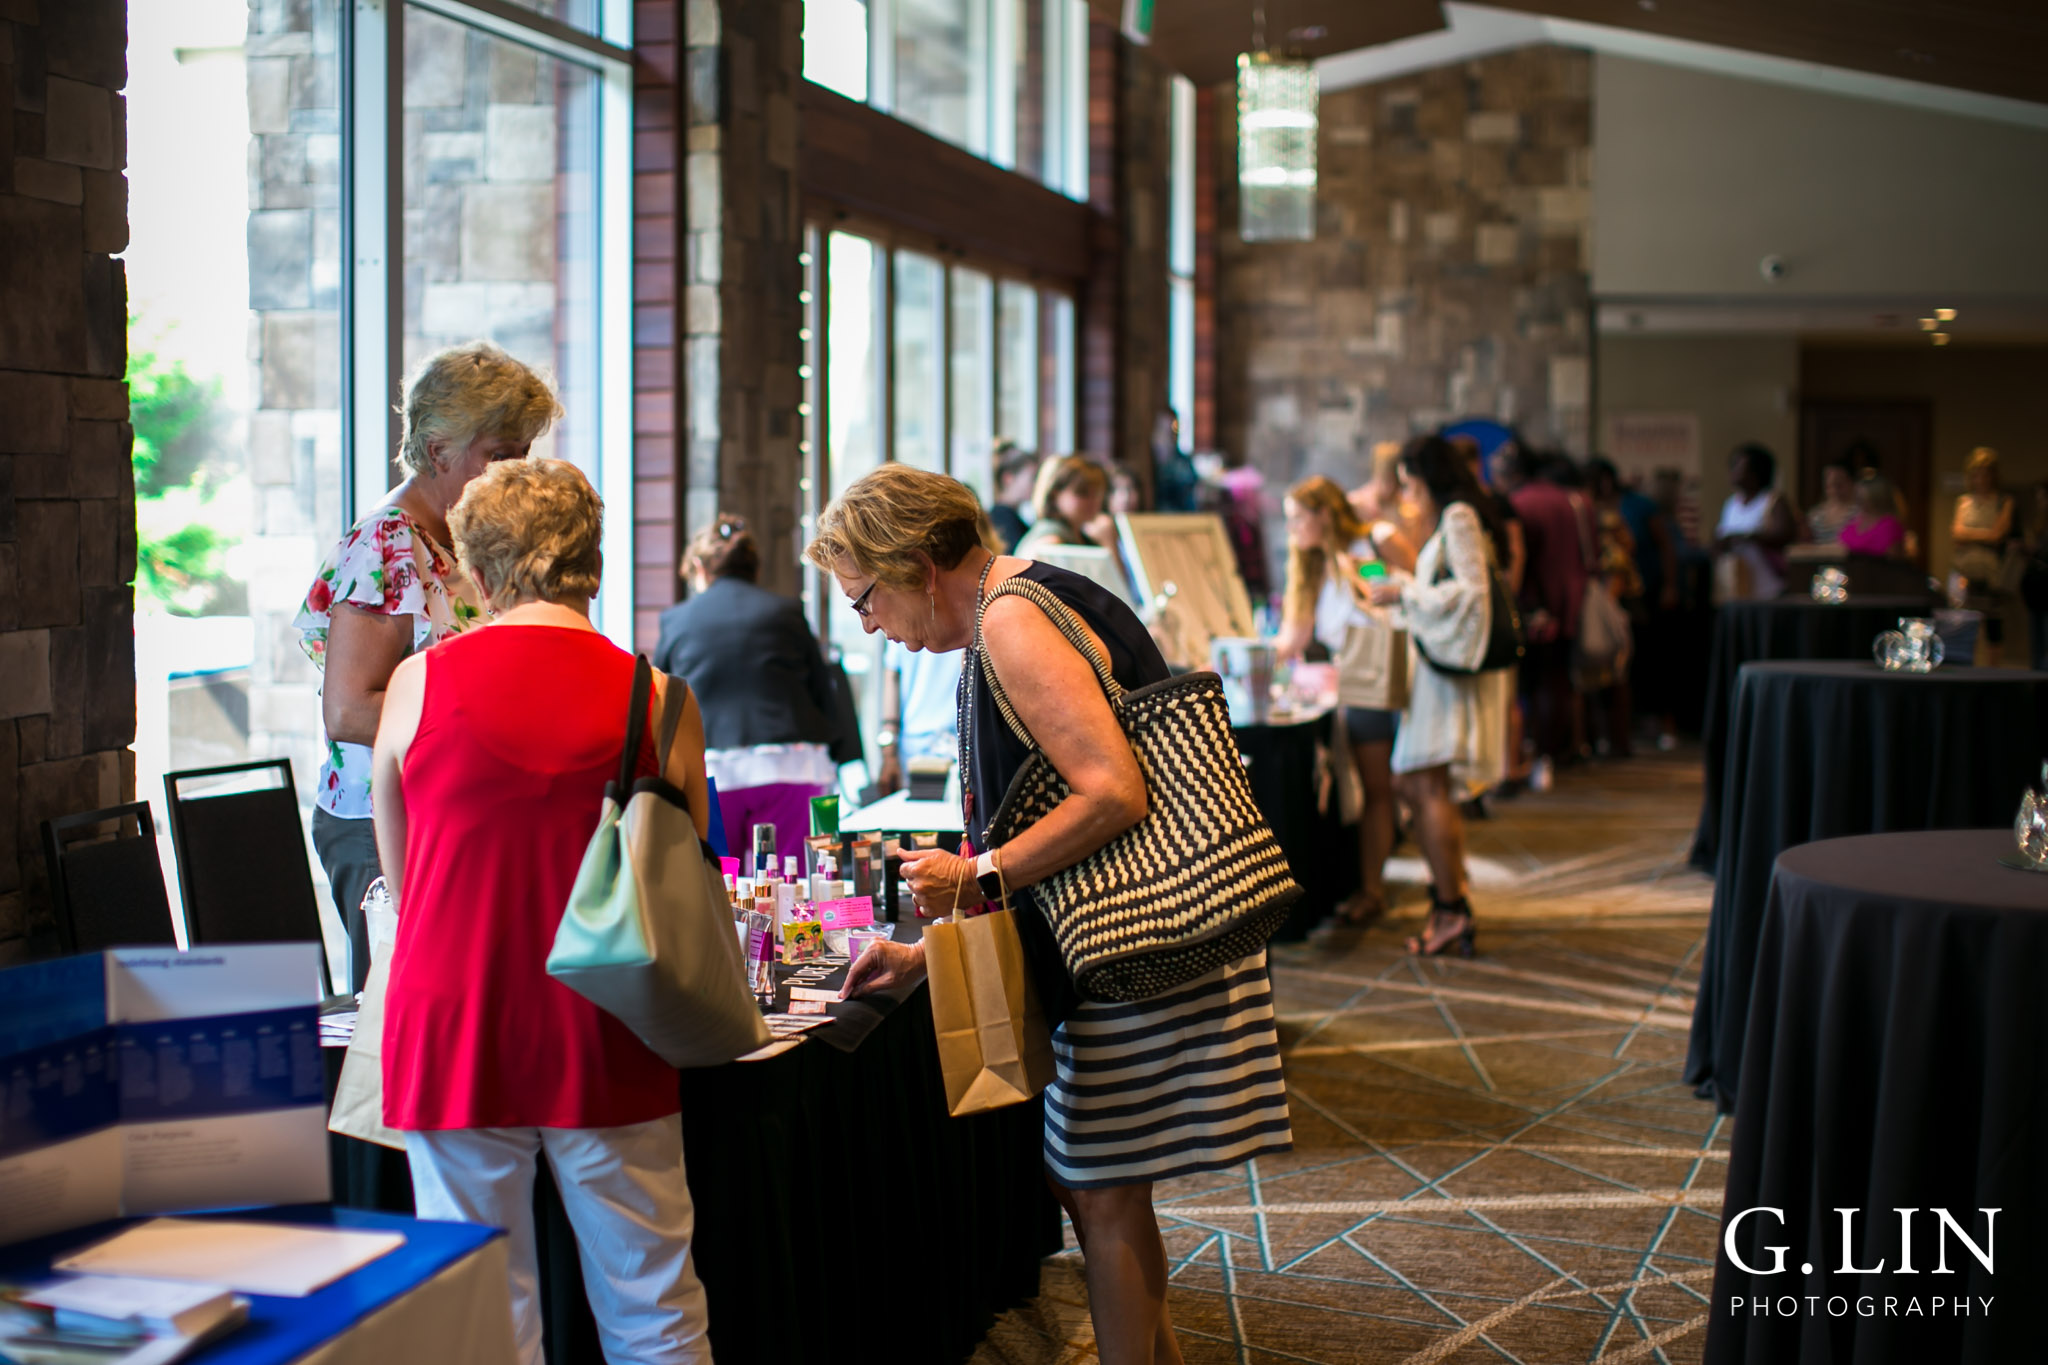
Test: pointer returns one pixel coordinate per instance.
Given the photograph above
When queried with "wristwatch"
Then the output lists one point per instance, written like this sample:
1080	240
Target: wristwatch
987	878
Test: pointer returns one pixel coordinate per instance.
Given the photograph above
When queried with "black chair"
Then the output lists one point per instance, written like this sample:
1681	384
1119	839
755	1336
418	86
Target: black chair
242	862
108	891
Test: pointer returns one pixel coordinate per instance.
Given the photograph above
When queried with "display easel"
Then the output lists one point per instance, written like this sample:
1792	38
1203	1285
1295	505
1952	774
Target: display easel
1186	581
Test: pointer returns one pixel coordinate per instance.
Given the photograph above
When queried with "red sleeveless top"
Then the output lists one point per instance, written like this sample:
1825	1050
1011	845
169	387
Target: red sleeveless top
519	731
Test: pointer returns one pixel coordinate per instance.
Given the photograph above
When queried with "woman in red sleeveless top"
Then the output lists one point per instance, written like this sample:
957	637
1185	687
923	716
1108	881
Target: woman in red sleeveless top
488	775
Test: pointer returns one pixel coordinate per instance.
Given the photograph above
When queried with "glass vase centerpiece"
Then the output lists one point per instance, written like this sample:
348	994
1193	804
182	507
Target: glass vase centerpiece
2030	826
1831	584
1913	648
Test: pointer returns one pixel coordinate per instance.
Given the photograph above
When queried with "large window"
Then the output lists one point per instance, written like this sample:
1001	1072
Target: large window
1005	79
320	194
912	359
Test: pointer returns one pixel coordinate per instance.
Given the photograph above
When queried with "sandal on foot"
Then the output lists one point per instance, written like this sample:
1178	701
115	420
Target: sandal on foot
1449	930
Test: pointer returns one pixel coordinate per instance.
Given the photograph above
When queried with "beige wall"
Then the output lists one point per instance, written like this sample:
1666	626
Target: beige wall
1699	176
1981	396
1741	388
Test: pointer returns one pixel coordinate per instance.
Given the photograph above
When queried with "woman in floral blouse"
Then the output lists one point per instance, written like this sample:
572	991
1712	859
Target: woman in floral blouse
392	587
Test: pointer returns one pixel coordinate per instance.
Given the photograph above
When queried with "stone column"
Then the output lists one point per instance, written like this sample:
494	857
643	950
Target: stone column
67	491
742	309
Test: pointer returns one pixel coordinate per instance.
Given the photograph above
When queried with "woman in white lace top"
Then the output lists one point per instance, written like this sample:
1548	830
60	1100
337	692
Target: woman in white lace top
1451	742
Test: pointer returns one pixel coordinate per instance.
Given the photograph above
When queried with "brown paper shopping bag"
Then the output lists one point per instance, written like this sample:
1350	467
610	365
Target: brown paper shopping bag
358	1110
994	1046
1372	670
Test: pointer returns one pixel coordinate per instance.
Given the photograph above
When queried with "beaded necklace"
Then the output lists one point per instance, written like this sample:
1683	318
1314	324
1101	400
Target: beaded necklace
963	701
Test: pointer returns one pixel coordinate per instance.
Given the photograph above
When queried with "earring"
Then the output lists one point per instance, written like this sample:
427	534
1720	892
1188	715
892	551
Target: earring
933	598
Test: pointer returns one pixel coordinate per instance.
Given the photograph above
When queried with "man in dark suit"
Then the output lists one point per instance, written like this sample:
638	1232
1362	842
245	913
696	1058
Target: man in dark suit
767	694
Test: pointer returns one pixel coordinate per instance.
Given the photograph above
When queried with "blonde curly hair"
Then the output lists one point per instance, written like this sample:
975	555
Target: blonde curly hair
468	391
891	520
530	530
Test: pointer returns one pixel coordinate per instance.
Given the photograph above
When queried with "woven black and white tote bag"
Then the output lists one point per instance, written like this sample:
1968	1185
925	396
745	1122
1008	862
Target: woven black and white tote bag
1197	883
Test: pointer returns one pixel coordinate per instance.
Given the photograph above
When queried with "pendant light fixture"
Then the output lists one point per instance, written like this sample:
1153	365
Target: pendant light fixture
1276	141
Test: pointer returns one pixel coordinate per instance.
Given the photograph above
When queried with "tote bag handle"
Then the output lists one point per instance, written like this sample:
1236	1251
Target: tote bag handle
636	725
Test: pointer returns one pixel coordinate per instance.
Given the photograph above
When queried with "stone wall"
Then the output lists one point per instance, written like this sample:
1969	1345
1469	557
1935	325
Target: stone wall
1447	278
67	492
742	295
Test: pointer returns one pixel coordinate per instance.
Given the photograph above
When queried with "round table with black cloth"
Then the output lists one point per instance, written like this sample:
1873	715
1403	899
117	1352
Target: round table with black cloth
1821	750
1897	1043
1778	628
1322	851
821	1177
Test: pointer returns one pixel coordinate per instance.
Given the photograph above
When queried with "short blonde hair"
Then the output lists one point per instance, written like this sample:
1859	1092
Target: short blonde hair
1983	457
468	391
891	520
529	530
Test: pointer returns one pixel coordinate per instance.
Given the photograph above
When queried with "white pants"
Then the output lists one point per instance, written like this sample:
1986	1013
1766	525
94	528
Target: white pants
625	1194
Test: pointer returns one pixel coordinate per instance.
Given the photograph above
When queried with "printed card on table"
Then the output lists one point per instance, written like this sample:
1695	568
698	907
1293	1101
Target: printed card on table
146	1080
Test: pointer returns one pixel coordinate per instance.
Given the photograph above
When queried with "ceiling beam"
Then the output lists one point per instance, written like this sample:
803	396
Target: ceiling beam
1991	55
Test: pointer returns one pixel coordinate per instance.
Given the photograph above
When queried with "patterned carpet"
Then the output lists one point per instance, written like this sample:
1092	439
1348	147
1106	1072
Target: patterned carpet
1495	1160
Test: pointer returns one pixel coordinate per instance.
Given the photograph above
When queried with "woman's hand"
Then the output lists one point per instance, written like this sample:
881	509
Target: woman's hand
940	883
883	967
1384	592
1102	531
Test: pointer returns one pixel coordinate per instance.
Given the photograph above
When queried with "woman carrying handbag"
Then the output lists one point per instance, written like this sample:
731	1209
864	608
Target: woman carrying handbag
1461	622
490	766
1329	552
1144	1090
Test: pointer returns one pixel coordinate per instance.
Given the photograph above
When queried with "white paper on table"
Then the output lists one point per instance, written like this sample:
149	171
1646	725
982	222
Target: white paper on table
149	1301
252	1258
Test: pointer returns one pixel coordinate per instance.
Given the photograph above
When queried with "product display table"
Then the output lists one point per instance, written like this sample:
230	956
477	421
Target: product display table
1898	1034
1286	782
818	1173
443	1296
1821	750
1780	628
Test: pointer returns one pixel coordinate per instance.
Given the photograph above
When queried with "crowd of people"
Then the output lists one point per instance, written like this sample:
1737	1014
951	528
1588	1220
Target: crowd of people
466	766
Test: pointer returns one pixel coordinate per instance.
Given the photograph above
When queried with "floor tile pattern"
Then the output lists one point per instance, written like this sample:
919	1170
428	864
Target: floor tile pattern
1495	1159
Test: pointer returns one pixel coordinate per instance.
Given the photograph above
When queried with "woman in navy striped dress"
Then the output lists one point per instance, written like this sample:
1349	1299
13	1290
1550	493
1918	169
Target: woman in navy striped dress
1186	1082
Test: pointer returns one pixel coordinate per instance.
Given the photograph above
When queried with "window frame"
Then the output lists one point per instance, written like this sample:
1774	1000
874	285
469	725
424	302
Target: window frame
1049	360
991	131
372	86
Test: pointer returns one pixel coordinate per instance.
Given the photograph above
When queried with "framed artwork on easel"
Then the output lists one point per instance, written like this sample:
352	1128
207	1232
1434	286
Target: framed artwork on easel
1184	575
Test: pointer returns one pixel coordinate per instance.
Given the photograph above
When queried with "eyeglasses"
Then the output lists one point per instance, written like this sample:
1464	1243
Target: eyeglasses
860	603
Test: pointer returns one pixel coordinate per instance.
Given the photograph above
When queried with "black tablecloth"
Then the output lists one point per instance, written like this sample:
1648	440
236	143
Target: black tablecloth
1819	750
1780	628
1321	849
1896	1051
821	1178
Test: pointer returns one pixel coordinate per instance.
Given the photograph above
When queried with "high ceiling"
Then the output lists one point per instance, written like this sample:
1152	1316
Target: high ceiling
1997	47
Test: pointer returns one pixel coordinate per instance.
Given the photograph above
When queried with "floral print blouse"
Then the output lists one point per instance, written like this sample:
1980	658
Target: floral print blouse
388	564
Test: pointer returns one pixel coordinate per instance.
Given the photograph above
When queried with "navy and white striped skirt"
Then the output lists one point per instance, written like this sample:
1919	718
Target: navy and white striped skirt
1182	1083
